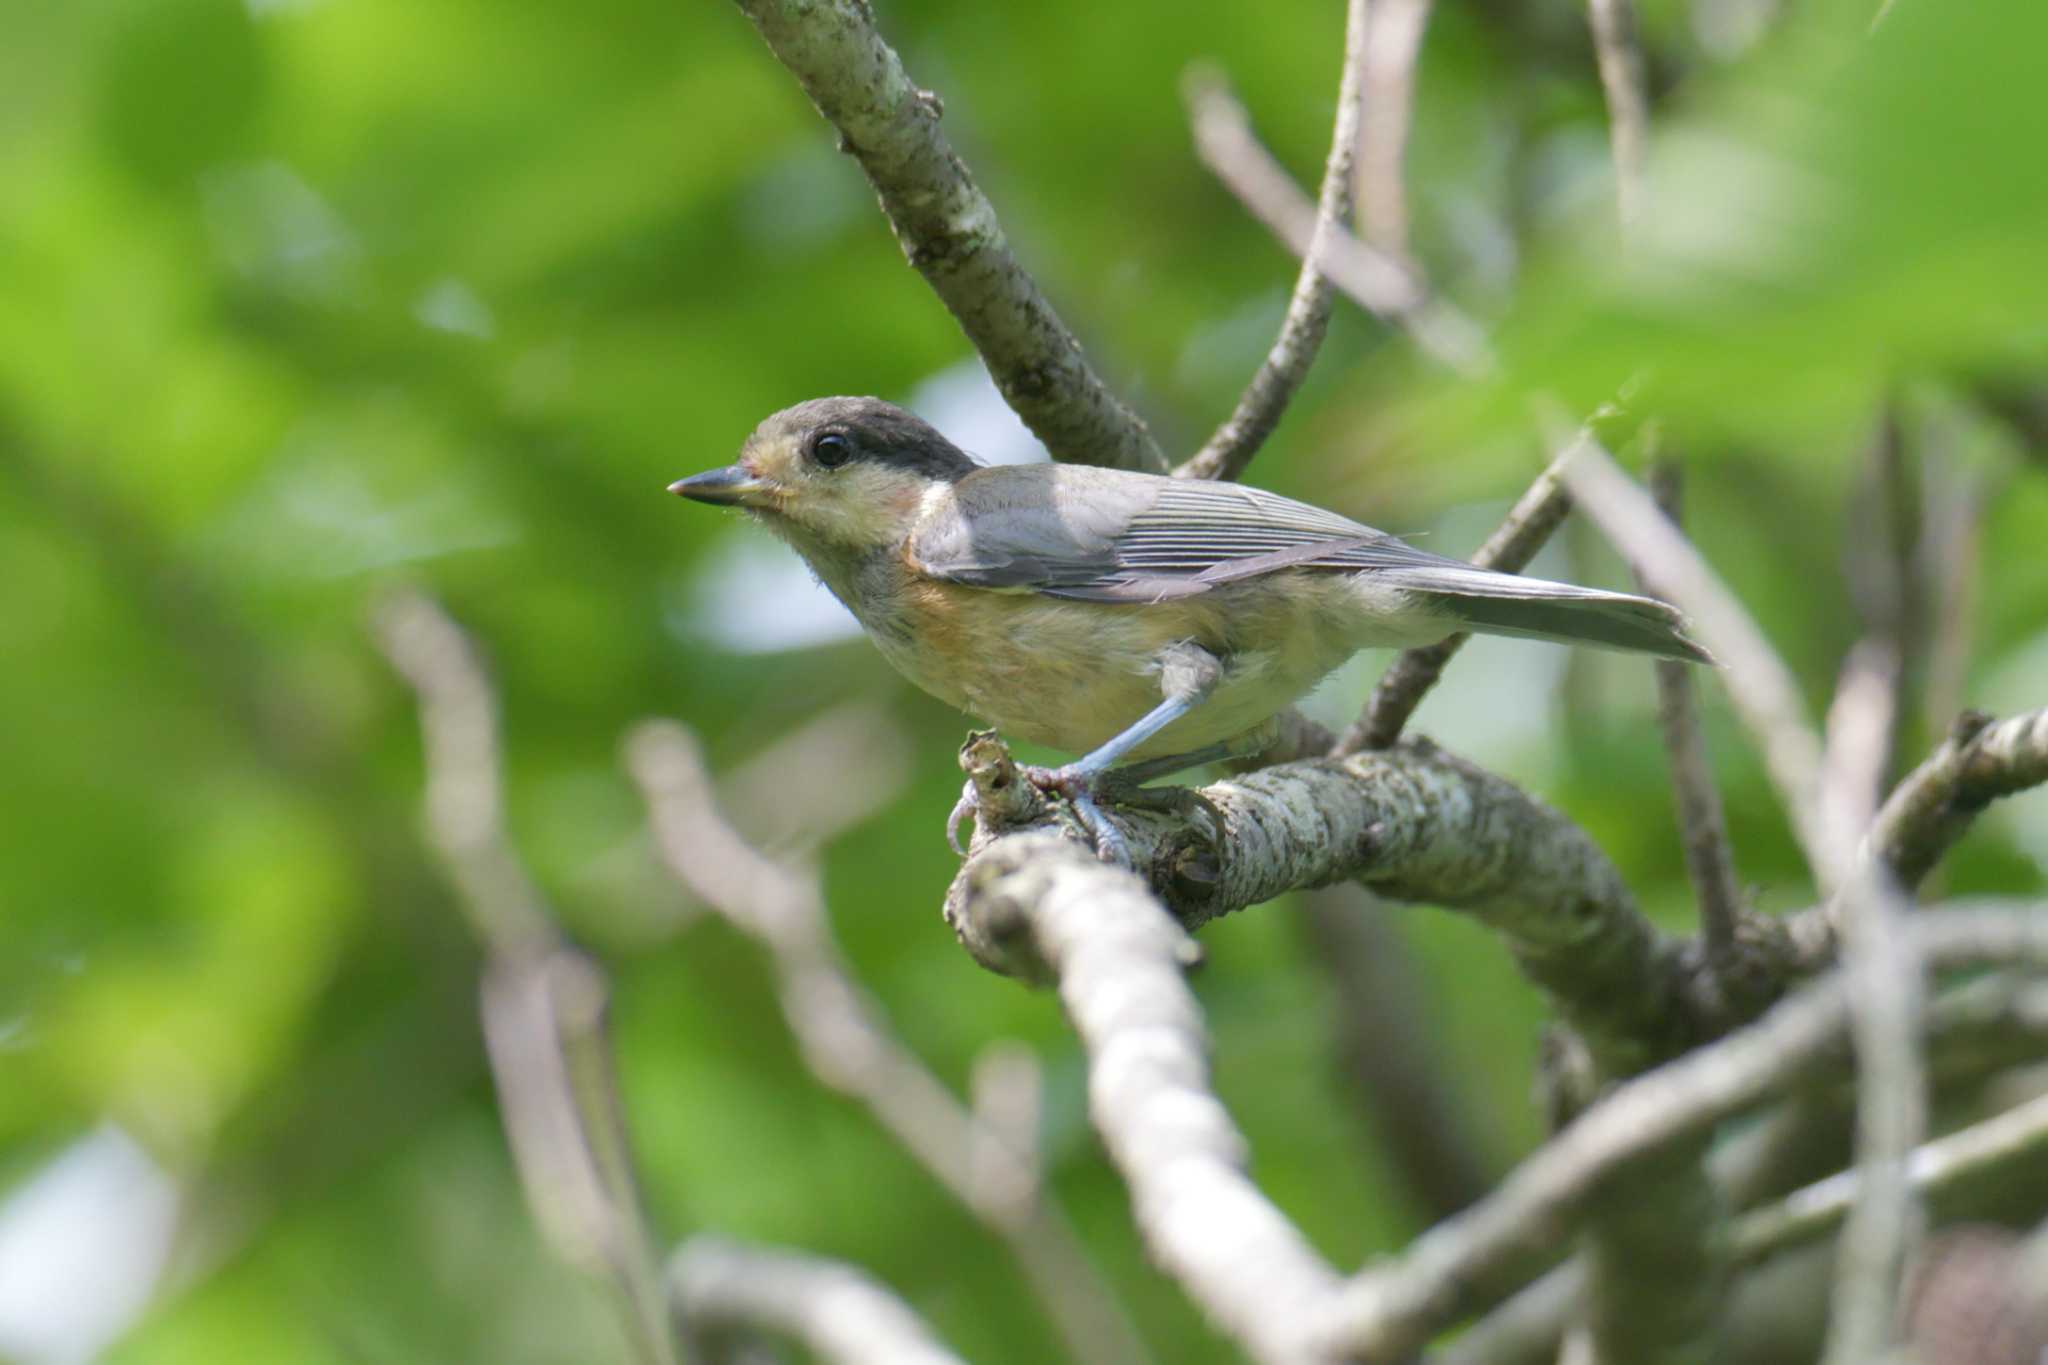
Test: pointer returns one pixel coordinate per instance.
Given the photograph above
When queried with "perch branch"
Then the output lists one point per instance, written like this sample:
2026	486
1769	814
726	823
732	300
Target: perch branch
544	1003
1412	823
1226	454
948	229
840	1314
1118	960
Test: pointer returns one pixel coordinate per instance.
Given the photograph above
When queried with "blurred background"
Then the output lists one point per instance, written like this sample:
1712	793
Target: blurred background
301	300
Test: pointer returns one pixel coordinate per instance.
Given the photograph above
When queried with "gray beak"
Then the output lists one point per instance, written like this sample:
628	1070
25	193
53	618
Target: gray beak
731	486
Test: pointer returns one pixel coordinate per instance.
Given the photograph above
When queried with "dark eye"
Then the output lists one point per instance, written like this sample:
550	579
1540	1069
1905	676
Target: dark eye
831	450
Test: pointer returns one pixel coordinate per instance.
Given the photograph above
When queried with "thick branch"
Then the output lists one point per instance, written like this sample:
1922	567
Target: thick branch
840	1314
948	228
1225	454
1118	959
1412	823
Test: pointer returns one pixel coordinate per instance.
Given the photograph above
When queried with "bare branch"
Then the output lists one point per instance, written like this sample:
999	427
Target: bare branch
1620	55
1465	1261
1883	979
948	229
1226	454
1528	527
544	1003
1762	688
1398	1074
840	1314
1981	761
1382	286
849	1045
1702	828
2016	1138
1117	957
1528	1326
1393	47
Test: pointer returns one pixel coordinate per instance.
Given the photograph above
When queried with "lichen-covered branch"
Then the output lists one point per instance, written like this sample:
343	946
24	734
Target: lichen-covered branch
1226	453
840	1314
1981	761
948	228
1412	823
1117	958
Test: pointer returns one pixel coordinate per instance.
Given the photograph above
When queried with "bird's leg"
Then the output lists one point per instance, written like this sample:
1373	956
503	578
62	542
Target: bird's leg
1187	675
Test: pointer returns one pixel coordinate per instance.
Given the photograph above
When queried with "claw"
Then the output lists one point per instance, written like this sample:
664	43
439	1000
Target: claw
968	807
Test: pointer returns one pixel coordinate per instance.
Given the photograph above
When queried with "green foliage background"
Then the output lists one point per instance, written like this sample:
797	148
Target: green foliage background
302	298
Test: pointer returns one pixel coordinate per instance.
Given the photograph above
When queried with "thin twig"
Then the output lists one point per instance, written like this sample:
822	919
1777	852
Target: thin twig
1527	1327
849	1045
1226	453
1885	992
841	1314
544	1003
1382	286
1535	516
1393	47
1620	54
1763	689
1464	1262
1702	826
948	229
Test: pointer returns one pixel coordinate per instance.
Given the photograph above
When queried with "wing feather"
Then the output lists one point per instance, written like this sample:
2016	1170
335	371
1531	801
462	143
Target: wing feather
1110	536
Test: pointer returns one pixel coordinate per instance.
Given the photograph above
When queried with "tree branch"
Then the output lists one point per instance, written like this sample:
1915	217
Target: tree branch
544	1003
1462	1263
1528	527
850	1047
841	1315
1393	47
948	229
1382	286
1765	694
1412	823
1117	958
1622	80
1226	453
1702	827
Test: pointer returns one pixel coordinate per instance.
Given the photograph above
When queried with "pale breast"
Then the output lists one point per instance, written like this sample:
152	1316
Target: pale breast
1070	675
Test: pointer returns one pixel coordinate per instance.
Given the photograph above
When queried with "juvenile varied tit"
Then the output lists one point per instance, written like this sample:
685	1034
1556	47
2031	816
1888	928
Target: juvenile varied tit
1115	614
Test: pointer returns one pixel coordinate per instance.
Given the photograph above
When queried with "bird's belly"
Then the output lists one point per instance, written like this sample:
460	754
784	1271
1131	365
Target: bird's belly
1072	675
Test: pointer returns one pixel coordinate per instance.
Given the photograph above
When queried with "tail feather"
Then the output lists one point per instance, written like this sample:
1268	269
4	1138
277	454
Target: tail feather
1556	611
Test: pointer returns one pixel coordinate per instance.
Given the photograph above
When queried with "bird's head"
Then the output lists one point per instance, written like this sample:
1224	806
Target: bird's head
837	475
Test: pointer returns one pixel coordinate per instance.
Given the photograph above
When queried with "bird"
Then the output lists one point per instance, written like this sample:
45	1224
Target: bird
1118	615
